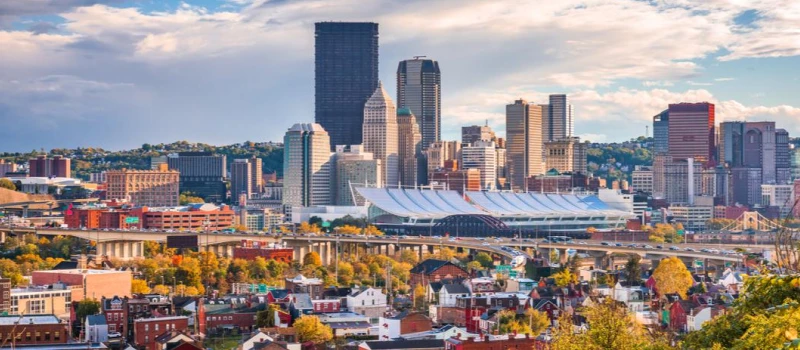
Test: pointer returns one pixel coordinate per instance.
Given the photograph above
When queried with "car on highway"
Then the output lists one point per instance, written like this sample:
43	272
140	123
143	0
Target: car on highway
582	243
659	247
632	246
674	248
690	250
618	244
647	246
486	243
605	243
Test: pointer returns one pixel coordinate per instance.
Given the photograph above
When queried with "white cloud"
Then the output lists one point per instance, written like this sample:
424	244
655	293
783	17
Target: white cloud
724	79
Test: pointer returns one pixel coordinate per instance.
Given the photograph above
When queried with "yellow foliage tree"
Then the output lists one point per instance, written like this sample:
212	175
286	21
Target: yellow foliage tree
161	289
309	329
565	278
312	259
372	231
348	230
305	227
672	276
139	287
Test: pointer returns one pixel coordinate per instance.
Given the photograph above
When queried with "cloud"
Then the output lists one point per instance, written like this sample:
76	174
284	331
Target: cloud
724	79
697	83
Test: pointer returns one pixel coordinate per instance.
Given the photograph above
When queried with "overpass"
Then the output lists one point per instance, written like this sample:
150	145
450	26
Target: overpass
129	244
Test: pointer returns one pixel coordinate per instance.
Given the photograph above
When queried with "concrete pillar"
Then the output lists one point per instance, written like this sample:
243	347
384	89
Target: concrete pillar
229	251
420	252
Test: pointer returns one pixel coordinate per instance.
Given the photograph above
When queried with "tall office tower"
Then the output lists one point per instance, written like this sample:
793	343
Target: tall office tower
661	132
306	166
241	179
691	132
155	162
152	188
440	152
202	174
409	147
257	174
419	88
642	179
380	134
524	142
783	163
566	155
501	167
558	123
354	168
731	148
482	155
345	76
473	133
676	181
41	166
794	160
660	161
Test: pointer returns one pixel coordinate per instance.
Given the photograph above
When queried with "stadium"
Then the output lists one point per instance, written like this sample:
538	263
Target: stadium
442	212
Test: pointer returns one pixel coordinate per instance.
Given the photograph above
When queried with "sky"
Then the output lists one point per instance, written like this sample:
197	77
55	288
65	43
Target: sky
116	74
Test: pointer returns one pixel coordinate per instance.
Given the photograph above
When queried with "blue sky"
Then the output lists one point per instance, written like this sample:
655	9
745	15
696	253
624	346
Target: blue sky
116	74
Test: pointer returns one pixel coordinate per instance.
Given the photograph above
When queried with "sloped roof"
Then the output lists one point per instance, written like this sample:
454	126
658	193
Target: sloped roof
429	266
406	344
456	288
96	320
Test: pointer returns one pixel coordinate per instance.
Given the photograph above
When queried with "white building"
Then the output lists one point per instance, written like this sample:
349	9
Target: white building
781	196
96	329
642	179
633	296
693	218
306	166
354	167
380	134
616	199
369	302
482	155
326	213
450	292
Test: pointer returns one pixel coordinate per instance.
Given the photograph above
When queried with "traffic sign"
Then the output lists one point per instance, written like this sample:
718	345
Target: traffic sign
503	268
326	224
698	263
680	232
132	220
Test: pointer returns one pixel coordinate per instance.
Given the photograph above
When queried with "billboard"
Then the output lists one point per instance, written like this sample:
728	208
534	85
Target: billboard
182	242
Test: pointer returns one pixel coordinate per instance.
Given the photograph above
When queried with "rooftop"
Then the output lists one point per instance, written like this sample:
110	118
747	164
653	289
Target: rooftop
84	272
33	319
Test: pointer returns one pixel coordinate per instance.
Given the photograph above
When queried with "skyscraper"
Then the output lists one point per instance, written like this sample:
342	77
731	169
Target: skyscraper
470	134
691	132
419	89
481	155
409	147
558	122
306	166
153	188
202	174
354	167
380	134
346	75
241	179
566	155
257	174
661	132
524	142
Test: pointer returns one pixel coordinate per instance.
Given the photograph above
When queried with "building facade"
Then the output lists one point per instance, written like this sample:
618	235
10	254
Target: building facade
524	142
566	155
691	132
354	167
780	196
144	187
241	179
661	132
558	123
306	166
456	180
471	134
345	76
642	179
380	134
409	147
41	166
419	88
481	155
677	181
201	173
440	152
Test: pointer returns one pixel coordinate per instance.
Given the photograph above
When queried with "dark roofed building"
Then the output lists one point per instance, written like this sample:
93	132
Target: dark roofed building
424	344
434	270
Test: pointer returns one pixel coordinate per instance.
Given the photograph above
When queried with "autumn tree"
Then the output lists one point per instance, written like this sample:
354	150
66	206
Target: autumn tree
8	184
139	287
309	329
371	230
85	308
484	259
305	227
537	321
161	289
312	259
564	278
507	322
671	277
9	269
409	256
419	297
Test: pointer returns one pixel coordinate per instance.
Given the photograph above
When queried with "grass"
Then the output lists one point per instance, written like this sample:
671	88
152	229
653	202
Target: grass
223	343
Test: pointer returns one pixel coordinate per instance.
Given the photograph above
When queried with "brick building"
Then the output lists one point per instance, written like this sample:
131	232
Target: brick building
519	342
5	295
250	250
147	330
97	283
144	187
322	306
456	180
92	217
57	166
33	330
433	270
228	316
311	286
120	313
191	217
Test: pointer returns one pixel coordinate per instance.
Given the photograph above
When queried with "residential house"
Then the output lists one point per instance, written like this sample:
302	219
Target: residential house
346	323
311	286
224	316
509	341
547	306
521	285
732	280
449	292
678	312
279	296
259	337
96	330
635	297
177	340
433	270
403	323
702	314
146	330
480	285
369	302
322	306
300	305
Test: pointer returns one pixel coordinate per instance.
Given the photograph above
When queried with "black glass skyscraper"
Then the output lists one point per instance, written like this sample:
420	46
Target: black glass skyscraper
346	75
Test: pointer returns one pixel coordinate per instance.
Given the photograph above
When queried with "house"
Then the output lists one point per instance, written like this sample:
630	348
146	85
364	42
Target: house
96	329
276	345
279	296
442	333
732	281
224	316
300	305
449	292
480	285
420	344
547	306
678	312
521	285
300	284
259	337
146	330
432	292
635	297
700	315
369	302
518	341
403	323
322	306
433	270
174	339
346	324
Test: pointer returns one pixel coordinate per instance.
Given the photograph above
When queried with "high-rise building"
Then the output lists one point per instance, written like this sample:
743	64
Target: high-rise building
440	152
473	133
524	142
306	166
380	134
794	161
354	168
558	123
202	174
409	147
345	76
691	132
256	174
660	161
501	167
41	166
241	179
642	179
566	155
661	132
677	184
155	162
419	88
481	155
456	180
781	196
7	167
783	162
152	188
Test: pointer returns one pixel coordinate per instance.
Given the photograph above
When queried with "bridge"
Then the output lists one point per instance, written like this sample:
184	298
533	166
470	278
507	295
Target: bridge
129	244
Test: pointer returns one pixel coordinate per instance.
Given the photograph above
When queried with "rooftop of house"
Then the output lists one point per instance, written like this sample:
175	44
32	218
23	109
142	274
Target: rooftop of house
33	319
429	266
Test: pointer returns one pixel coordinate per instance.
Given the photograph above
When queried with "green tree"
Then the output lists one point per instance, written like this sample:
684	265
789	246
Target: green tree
309	329
484	259
633	269
507	322
189	198
266	318
537	321
85	308
671	276
565	278
8	184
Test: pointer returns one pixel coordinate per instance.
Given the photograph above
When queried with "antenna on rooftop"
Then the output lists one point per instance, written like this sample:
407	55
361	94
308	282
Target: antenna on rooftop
647	131
418	57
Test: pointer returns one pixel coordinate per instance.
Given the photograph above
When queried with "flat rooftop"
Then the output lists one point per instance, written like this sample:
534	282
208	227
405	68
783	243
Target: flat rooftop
32	319
83	272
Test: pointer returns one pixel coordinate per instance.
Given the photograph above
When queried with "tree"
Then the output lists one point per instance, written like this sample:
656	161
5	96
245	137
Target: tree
565	278
87	307
507	322
139	287
564	336
161	289
346	273
8	184
537	321
633	269
305	227
188	198
372	231
309	329
266	318
419	297
312	259
484	259
9	269
348	230
409	256
671	276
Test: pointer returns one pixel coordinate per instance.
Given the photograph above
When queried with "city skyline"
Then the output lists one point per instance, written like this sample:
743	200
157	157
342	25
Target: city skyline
81	75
